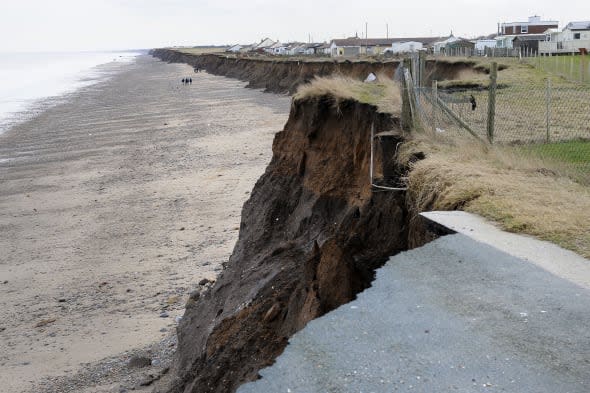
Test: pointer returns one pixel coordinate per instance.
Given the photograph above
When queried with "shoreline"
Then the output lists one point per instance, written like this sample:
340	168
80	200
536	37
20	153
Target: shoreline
117	204
44	98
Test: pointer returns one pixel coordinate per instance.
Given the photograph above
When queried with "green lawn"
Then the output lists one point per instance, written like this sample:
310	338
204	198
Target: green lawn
572	156
572	67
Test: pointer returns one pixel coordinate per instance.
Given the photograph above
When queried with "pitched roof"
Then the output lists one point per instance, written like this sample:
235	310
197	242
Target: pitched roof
265	43
581	25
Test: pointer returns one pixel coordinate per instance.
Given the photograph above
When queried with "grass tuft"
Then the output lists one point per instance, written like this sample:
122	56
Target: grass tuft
383	93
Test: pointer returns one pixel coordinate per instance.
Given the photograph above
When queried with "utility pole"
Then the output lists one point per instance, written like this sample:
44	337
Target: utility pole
387	30
366	38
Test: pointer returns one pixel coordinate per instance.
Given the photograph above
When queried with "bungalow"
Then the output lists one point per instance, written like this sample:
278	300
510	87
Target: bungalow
505	41
440	46
355	46
460	47
264	45
574	38
406	47
347	47
482	44
277	49
234	48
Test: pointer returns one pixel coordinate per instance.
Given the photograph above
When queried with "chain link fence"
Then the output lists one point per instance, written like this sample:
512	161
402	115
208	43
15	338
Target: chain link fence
548	122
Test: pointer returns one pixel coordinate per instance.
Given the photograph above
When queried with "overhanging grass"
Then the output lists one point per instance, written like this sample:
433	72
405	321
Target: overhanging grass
383	93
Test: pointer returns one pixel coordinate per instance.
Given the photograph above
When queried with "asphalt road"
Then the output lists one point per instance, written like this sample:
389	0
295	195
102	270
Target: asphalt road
456	315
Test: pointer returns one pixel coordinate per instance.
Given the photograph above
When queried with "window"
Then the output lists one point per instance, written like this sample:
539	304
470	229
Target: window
524	29
576	36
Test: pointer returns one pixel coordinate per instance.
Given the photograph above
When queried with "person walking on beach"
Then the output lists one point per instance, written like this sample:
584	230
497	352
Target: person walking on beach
190	81
183	81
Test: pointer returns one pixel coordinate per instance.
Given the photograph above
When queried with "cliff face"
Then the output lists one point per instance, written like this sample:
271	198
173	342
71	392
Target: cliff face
311	235
285	75
277	76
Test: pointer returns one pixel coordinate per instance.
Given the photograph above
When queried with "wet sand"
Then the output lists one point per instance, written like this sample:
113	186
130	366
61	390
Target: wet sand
114	206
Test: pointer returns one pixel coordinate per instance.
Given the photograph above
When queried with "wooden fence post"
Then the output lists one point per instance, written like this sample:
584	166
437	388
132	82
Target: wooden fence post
434	104
492	101
406	108
422	65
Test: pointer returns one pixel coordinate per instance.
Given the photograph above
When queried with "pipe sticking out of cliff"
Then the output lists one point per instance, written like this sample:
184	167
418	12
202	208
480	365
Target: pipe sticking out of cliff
371	165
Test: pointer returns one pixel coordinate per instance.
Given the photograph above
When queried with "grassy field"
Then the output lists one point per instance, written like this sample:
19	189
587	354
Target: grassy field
528	112
572	67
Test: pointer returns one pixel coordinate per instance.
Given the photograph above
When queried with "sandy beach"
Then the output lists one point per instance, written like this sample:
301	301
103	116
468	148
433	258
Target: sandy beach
114	206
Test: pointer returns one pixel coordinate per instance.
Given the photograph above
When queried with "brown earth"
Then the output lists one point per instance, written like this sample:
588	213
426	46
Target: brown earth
312	233
285	75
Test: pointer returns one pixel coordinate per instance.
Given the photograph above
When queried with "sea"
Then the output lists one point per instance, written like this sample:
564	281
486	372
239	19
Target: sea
32	82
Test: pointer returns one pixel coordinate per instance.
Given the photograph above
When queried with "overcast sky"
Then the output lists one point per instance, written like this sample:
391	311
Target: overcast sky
56	25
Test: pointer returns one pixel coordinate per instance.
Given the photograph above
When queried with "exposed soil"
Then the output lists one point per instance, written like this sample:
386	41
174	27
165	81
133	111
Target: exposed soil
312	233
285	75
276	76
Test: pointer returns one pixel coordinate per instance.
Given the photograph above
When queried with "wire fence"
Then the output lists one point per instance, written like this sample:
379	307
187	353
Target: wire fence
571	67
548	122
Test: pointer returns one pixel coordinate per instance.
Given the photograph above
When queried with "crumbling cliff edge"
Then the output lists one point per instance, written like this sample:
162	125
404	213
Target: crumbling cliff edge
312	234
285	75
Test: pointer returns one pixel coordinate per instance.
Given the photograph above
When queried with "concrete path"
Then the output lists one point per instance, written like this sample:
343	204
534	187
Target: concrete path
456	315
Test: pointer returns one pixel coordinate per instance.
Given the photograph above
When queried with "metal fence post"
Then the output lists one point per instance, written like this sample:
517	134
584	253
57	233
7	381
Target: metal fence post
548	109
492	101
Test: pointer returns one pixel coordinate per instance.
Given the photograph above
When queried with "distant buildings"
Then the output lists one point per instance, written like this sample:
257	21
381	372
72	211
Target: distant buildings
535	36
574	38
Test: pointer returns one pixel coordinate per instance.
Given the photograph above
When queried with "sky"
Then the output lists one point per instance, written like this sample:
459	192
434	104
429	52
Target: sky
74	25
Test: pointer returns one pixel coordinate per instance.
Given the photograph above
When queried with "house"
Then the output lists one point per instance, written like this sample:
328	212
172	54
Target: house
234	48
406	47
323	49
505	41
277	49
574	38
264	45
482	44
534	25
460	45
347	47
313	48
528	44
440	46
248	48
355	46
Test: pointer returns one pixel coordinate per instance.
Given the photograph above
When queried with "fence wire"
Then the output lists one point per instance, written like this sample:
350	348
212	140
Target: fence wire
552	123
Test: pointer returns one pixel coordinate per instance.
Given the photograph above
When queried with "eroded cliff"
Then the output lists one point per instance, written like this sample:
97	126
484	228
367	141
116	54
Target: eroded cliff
312	233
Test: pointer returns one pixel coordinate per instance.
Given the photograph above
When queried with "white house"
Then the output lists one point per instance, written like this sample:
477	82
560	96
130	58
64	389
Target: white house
441	45
505	41
481	45
264	45
277	49
346	47
406	47
234	49
574	37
